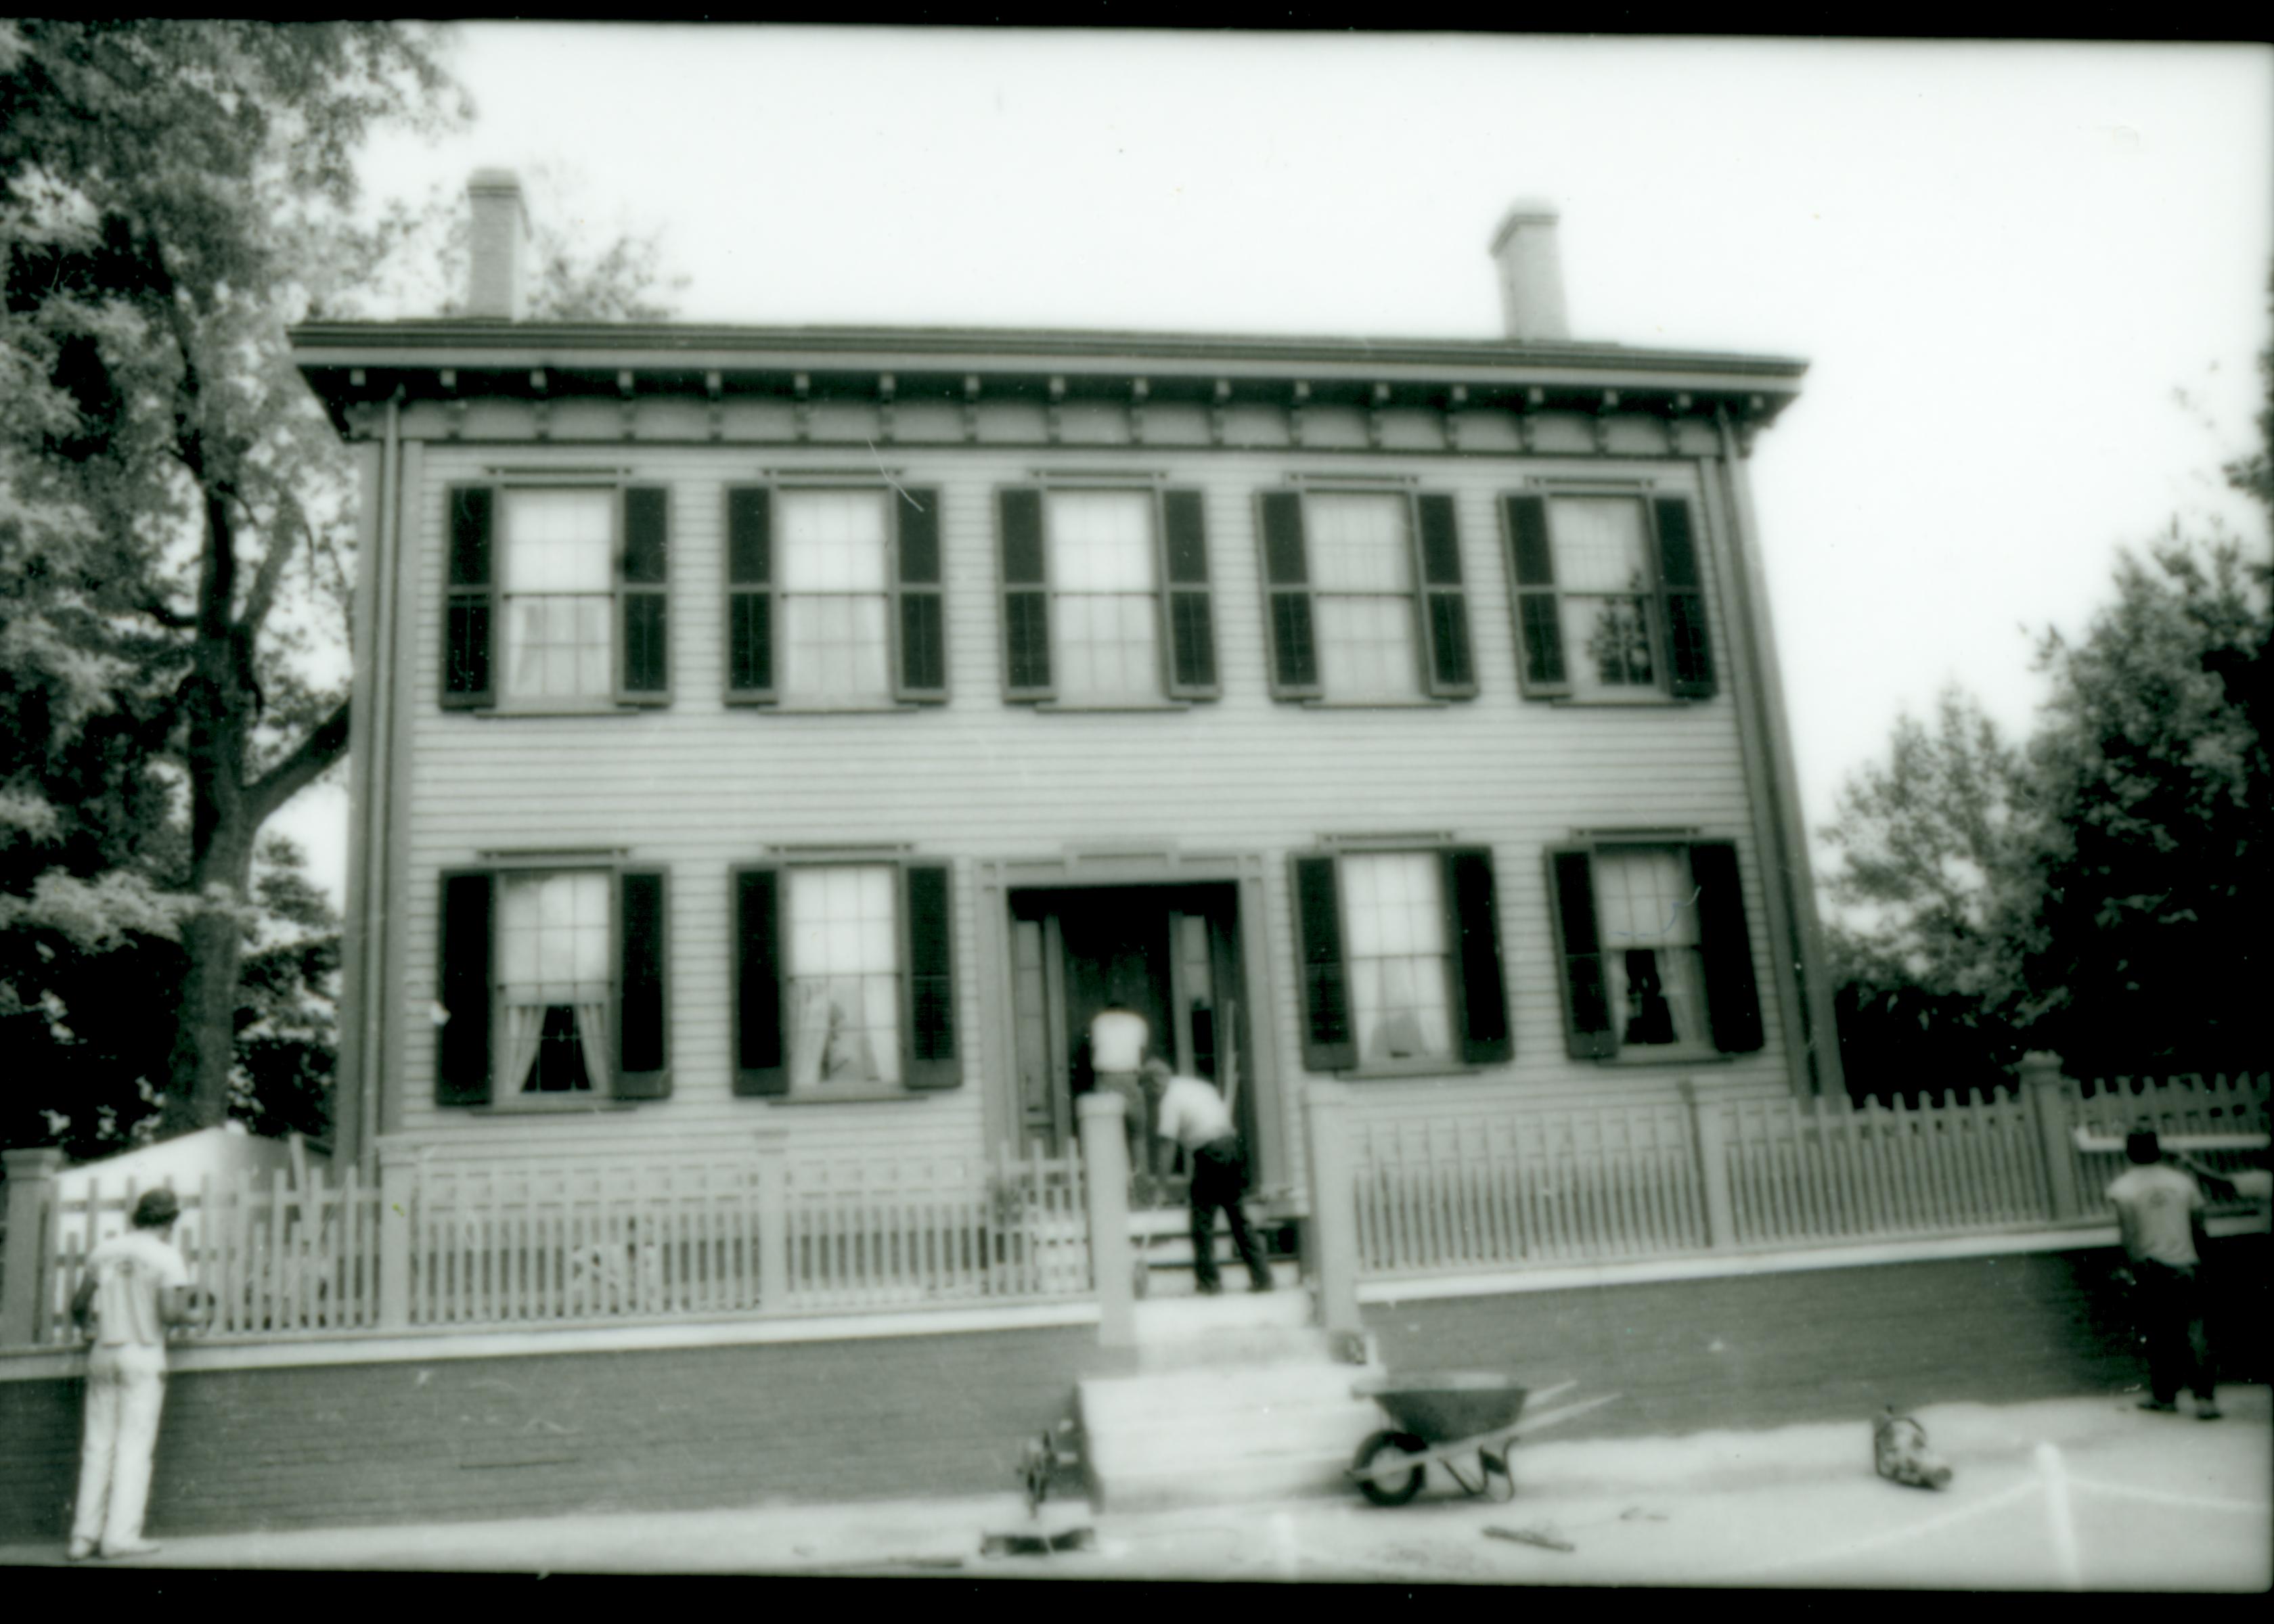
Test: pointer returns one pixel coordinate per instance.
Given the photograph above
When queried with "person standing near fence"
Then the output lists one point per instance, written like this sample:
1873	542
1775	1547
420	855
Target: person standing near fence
2159	1215
136	1288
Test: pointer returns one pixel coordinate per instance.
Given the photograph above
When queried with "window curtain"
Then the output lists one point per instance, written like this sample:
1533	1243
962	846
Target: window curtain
524	1024
592	1032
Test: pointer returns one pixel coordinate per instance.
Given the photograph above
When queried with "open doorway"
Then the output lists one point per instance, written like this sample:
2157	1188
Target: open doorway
1168	953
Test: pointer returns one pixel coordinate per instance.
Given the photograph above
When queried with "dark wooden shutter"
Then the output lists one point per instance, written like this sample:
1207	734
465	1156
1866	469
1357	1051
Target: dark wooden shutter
643	1013
924	613
1192	619
644	596
1328	1044
1445	607
1026	597
1586	1002
1287	580
1532	565
749	594
1480	996
461	1061
470	610
931	1057
1733	999
758	1057
1689	645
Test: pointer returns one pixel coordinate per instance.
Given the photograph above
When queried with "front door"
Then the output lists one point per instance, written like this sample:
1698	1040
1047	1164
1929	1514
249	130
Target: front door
1168	952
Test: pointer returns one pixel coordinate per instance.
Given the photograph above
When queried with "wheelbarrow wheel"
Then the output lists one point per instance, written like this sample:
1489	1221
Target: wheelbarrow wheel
1389	1491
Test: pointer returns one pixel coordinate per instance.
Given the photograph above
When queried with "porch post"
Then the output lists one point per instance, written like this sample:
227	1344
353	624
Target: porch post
1331	1238
1713	1145
2047	1090
773	1220
23	1271
1105	1163
398	1194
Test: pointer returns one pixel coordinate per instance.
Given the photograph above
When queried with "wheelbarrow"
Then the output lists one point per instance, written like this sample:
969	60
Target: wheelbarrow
1445	1416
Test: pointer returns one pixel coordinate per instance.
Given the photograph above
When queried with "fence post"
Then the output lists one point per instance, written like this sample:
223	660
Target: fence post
398	1193
23	1270
1105	1156
773	1220
2048	1091
1712	1167
1331	1237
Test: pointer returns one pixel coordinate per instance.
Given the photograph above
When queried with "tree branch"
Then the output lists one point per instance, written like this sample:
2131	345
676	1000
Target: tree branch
309	759
264	581
172	619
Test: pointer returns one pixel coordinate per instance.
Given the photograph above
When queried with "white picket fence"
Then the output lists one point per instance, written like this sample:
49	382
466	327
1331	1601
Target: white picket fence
532	1241
1519	1185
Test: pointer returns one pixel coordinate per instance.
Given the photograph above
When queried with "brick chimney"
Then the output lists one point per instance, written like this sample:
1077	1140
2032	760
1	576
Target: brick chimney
500	246
1531	273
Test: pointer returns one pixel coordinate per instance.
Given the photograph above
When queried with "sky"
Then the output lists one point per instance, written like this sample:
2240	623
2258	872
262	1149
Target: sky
2030	279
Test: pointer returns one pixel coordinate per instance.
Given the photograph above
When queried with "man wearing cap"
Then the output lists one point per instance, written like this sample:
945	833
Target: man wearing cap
2159	1215
136	1287
1189	1112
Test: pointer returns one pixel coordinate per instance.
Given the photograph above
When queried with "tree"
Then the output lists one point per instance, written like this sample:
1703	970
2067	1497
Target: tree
2146	948
1935	875
172	195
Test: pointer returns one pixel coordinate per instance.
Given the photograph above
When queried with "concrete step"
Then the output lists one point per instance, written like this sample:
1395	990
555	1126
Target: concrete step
1215	1437
1241	1327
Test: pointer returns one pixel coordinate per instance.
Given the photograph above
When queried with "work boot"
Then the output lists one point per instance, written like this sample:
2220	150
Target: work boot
2161	1406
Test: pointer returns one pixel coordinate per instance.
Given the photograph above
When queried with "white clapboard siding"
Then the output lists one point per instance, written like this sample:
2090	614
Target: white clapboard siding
698	786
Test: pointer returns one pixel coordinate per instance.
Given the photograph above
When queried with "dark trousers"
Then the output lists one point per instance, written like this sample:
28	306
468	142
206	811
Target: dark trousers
1219	1177
2170	1304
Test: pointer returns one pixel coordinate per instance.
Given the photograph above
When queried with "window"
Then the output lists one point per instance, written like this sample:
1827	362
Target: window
845	979
571	585
1657	961
1106	596
1609	601
833	595
551	986
1366	597
1400	954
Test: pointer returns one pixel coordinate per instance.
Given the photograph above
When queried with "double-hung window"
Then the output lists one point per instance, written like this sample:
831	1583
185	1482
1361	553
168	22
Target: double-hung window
1106	596
833	595
557	597
1657	961
1610	602
1365	600
1400	955
551	986
845	979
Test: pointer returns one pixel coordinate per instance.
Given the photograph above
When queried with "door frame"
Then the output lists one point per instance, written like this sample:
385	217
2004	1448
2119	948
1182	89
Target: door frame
1274	1163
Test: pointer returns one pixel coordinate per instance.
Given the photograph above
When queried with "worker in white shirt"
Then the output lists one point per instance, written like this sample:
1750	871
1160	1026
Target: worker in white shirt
136	1289
2159	1217
1190	1112
1117	1040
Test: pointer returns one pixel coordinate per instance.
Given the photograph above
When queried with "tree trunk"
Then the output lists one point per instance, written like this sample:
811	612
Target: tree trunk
205	1032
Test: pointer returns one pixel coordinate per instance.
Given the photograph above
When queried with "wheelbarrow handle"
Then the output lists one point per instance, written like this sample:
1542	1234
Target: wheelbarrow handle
1556	1417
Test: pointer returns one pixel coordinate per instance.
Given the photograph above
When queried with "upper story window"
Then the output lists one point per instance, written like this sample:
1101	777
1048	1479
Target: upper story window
552	985
833	595
1400	955
845	979
1657	960
1610	602
1106	596
1366	597
557	597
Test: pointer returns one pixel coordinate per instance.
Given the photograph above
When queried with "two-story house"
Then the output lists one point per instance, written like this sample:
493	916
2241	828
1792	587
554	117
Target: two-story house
816	726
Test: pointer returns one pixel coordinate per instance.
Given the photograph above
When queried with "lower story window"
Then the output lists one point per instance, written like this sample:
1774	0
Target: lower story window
843	980
1655	971
555	983
1657	962
1398	967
